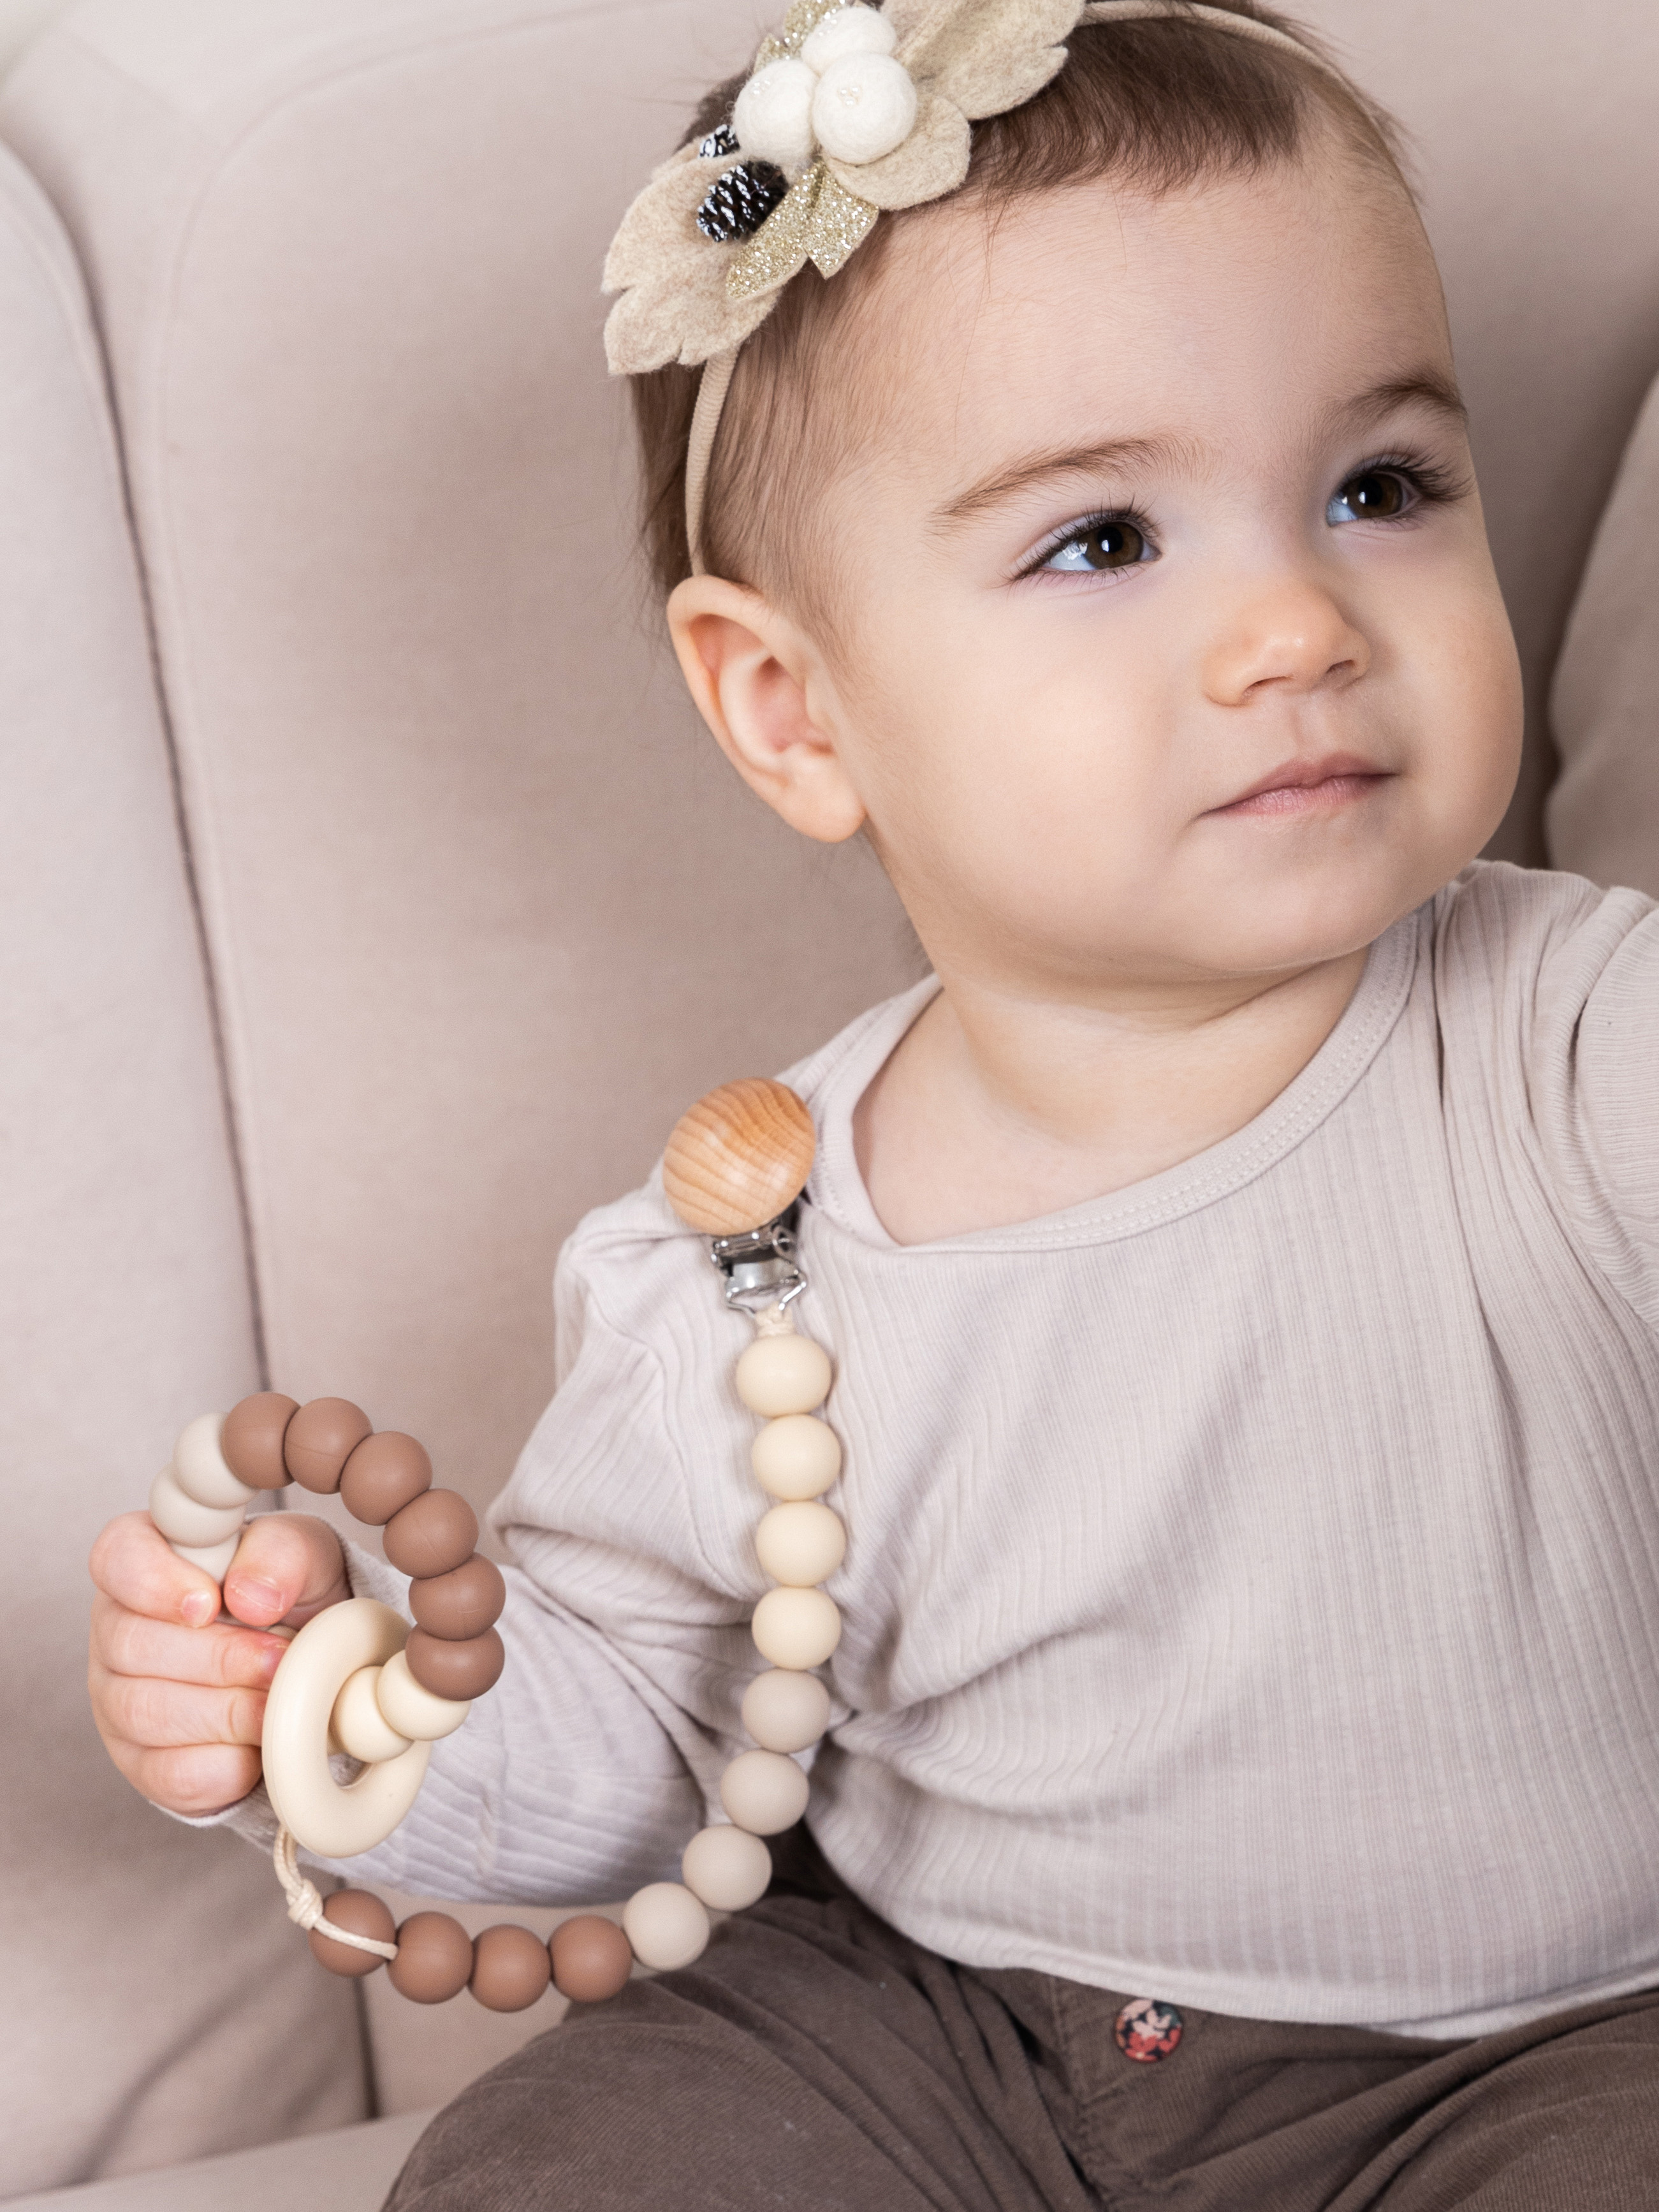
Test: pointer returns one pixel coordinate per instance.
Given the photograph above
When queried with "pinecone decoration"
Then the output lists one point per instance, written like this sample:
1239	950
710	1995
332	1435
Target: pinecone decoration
740	200
722	141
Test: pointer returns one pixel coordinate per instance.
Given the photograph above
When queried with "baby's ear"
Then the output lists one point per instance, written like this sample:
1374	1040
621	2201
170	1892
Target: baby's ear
762	687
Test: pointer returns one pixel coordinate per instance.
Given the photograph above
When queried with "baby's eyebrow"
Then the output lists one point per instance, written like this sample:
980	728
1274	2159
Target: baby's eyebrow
1102	456
1419	387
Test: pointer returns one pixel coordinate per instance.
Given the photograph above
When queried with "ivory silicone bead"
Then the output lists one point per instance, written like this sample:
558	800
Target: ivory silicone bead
510	1968
320	1438
796	1627
667	1925
462	1603
741	1156
360	1728
456	1671
796	1456
432	1534
183	1521
763	1792
199	1468
591	1959
364	1914
783	1375
800	1544
786	1712
212	1559
434	1958
728	1868
251	1440
413	1711
383	1475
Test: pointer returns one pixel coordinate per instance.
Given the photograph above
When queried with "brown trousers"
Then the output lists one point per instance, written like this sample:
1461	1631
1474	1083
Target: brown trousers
814	2058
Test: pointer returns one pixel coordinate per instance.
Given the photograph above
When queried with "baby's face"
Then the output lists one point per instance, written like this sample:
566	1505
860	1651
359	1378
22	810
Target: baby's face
1170	643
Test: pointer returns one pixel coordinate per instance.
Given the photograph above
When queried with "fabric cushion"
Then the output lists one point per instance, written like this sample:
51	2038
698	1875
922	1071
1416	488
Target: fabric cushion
130	1948
1604	810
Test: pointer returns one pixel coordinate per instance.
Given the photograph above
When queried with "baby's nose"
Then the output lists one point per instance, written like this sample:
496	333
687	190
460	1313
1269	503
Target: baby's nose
1293	639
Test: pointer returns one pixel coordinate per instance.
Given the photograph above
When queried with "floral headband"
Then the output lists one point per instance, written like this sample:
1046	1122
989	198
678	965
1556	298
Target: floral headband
851	111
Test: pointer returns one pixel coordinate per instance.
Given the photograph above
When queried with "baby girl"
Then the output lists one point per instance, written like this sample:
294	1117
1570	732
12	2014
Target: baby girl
1240	1257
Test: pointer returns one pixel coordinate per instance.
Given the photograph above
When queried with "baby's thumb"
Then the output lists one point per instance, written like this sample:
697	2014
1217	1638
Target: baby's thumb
288	1567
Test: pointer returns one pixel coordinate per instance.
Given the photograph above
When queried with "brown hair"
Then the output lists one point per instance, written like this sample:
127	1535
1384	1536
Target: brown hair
1156	103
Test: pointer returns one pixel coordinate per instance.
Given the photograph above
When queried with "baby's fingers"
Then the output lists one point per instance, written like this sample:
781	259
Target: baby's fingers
202	1778
137	1709
133	1563
223	1656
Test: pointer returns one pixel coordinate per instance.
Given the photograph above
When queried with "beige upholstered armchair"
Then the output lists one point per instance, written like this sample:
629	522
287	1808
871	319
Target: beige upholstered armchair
370	905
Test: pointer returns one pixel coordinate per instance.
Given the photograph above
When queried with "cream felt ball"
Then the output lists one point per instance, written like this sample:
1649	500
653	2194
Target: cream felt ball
848	31
773	117
865	106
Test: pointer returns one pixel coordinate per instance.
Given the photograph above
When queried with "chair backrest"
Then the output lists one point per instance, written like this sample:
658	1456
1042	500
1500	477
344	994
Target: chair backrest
483	912
127	1943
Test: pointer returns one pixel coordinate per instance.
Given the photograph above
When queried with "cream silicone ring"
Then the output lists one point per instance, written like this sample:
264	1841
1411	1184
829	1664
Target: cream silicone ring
335	1821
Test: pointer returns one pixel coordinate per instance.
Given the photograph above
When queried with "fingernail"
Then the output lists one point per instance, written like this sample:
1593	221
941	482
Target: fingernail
263	1596
198	1609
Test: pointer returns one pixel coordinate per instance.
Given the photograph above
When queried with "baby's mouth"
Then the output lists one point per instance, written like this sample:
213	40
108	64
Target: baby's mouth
1308	787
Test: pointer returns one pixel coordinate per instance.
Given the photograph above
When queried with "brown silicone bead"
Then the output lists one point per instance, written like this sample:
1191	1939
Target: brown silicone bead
462	1603
455	1670
432	1534
434	1958
738	1157
321	1437
510	1968
362	1913
591	1959
383	1475
253	1439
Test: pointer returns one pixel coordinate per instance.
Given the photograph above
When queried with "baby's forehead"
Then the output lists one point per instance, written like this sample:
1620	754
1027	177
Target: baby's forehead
1181	313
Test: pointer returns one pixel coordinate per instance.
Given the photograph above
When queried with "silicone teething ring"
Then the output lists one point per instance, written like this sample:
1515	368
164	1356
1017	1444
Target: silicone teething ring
334	1819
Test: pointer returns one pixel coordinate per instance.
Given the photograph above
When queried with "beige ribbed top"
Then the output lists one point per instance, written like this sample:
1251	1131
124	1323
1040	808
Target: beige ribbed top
1253	1592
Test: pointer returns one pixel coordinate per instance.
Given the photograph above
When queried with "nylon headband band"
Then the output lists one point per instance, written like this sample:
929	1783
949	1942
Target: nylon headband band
716	379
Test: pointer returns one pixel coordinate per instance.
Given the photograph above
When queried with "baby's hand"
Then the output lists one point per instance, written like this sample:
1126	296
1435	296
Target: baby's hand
178	1695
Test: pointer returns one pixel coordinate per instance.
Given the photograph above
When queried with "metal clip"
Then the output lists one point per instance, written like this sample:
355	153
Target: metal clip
759	1265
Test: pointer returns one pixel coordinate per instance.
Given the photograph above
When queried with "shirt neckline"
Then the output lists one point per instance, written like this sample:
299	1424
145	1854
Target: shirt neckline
837	1191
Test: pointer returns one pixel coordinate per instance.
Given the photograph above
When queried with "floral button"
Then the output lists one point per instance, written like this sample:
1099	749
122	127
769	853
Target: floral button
1146	2031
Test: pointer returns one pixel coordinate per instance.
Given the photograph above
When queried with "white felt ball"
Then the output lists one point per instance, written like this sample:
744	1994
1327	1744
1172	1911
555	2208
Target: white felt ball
783	1375
865	105
773	118
411	1709
181	1519
796	1627
848	31
784	1711
358	1724
667	1925
199	1465
764	1792
796	1457
800	1544
726	1868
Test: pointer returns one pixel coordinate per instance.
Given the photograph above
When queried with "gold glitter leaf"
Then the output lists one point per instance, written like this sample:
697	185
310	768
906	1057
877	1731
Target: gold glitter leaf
783	243
839	222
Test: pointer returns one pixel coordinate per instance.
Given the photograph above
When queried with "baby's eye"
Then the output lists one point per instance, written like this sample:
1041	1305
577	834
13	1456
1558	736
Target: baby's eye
1106	541
1373	495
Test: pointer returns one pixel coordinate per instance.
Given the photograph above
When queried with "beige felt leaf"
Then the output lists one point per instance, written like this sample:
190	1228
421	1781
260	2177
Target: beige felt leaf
990	55
931	161
662	219
683	314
